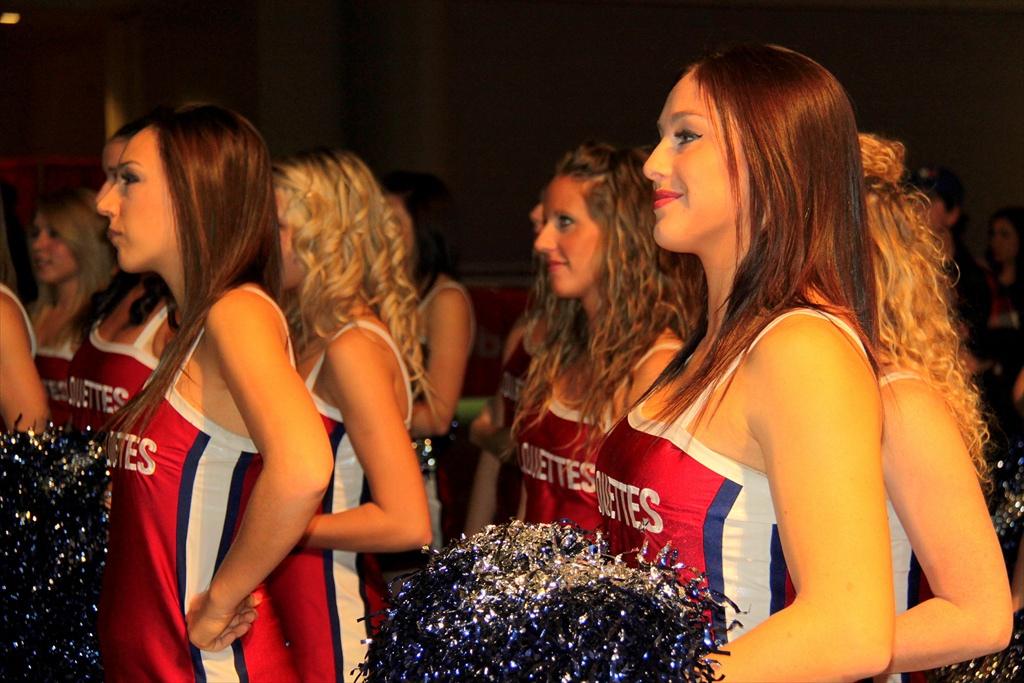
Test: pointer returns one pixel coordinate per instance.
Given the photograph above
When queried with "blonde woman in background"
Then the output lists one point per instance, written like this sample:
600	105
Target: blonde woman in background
352	311
23	403
72	260
933	438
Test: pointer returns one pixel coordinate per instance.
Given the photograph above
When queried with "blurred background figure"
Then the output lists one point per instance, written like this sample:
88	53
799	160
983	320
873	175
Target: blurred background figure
23	401
424	209
1006	338
72	260
948	219
495	493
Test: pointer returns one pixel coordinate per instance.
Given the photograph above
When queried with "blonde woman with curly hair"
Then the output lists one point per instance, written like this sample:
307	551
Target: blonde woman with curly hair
933	438
602	325
72	260
352	311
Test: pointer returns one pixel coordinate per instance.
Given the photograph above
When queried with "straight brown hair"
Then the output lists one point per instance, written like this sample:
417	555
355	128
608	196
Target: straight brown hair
219	175
808	245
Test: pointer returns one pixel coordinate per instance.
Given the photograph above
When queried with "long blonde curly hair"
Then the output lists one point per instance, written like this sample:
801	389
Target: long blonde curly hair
353	252
643	292
916	318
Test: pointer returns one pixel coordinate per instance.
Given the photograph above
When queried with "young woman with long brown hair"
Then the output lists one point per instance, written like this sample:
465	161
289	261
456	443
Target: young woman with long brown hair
756	455
219	463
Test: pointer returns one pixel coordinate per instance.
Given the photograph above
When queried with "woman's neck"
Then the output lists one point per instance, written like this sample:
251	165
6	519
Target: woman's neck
67	295
1007	274
720	283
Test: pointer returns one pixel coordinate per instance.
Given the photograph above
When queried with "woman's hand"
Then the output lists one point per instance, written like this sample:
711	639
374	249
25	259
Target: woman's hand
214	627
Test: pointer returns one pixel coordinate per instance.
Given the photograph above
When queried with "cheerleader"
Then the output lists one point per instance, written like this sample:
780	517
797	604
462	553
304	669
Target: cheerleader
755	457
602	325
351	308
423	207
23	402
72	260
126	330
933	439
494	497
219	463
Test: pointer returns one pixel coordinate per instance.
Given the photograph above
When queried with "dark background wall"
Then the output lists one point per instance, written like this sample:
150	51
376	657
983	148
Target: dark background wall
488	93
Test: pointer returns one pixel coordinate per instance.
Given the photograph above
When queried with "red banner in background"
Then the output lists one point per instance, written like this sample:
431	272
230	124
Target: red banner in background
33	177
496	310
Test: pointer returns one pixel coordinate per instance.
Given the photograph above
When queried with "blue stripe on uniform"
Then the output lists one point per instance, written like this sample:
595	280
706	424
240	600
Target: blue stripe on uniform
188	477
234	503
336	435
714	525
777	572
227	535
913	582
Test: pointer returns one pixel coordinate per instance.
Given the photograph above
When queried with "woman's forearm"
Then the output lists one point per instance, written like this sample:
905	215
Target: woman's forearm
938	632
277	515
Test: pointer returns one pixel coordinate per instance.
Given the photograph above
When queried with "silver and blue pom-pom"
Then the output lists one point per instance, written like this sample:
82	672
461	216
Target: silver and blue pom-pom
53	535
1007	665
543	602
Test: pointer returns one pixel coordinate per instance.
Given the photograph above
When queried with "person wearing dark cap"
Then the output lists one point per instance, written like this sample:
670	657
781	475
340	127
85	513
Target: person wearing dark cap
948	220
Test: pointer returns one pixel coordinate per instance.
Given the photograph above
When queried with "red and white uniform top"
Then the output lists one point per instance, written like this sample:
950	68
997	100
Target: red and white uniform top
180	488
558	468
104	375
53	363
324	596
657	484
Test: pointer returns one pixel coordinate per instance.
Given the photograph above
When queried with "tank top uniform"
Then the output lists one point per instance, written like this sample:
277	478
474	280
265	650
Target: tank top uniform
513	374
5	291
53	363
104	375
322	595
657	484
430	448
180	488
558	469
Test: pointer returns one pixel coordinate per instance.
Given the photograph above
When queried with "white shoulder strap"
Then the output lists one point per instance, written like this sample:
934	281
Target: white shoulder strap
24	314
284	321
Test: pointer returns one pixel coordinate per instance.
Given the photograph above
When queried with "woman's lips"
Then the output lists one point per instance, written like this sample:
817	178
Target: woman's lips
663	197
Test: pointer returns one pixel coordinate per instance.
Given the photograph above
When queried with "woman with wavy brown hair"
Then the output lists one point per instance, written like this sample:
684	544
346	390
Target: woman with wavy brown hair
934	438
352	311
601	325
755	458
220	461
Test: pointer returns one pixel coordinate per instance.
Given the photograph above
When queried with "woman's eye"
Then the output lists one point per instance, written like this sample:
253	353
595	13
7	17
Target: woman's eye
684	136
563	222
127	177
